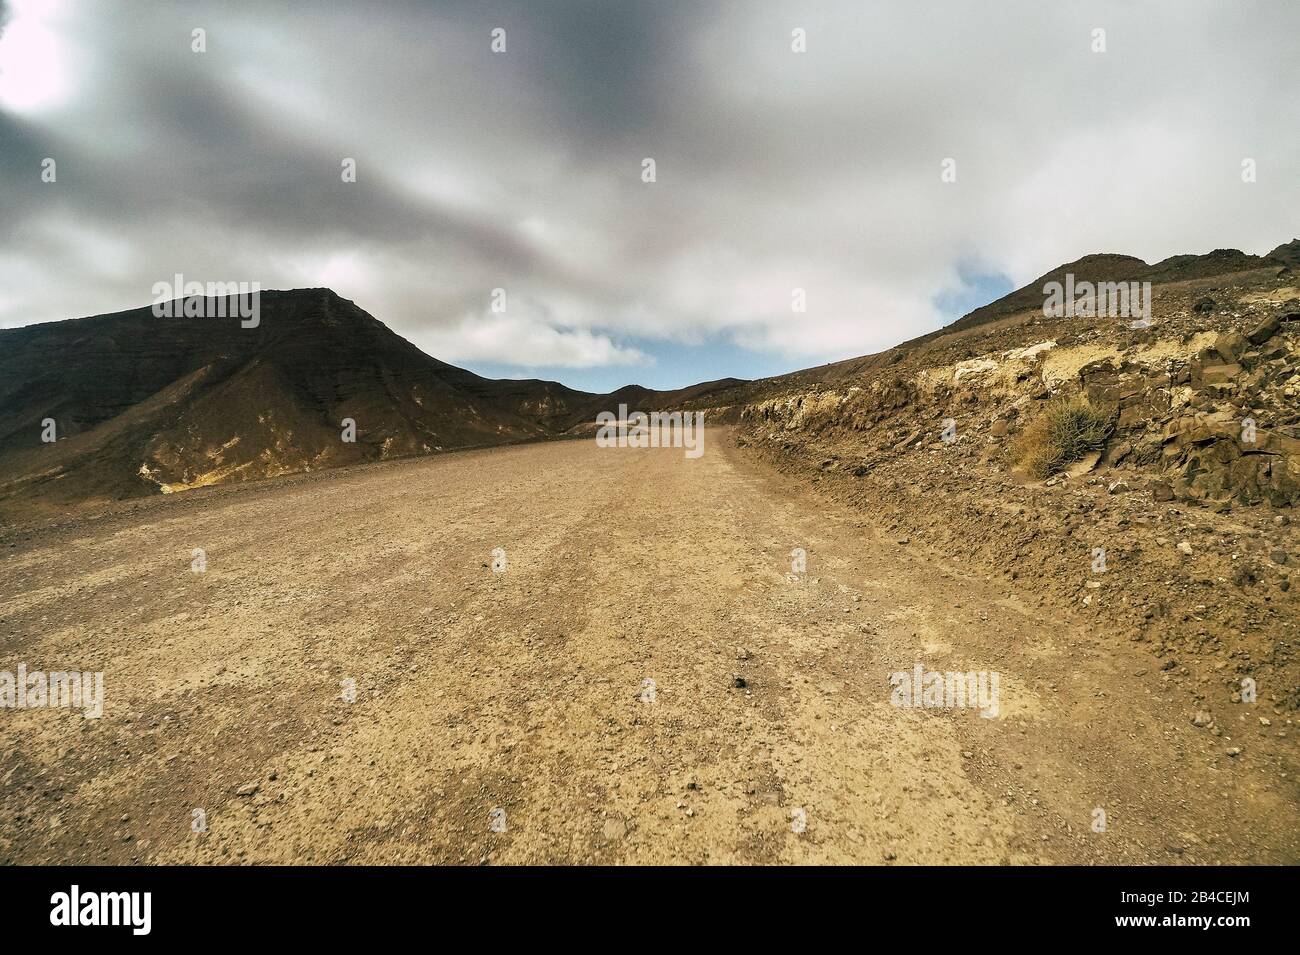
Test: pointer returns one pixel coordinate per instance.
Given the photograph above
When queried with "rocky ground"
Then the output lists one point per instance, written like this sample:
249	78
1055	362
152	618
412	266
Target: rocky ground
505	717
1192	498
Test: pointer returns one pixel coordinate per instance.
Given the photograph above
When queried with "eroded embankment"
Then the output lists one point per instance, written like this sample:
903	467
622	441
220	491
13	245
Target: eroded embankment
1178	533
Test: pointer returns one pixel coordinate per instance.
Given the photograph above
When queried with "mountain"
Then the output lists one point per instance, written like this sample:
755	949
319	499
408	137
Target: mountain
143	405
1288	253
1118	268
1178	275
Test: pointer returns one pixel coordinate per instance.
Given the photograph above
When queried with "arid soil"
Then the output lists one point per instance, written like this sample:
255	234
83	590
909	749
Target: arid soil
1179	532
517	701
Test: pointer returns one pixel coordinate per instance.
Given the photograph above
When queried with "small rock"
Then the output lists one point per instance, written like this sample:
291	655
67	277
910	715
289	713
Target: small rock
614	829
1202	718
1185	548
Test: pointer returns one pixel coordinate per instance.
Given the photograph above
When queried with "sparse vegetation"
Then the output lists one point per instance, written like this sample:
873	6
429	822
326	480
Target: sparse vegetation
1067	429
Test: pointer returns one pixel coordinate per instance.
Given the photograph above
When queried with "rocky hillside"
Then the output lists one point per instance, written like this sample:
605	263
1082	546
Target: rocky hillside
1191	495
145	405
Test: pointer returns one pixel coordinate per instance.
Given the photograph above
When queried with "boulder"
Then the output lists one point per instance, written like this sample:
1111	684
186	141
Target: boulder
1219	374
1230	345
1265	330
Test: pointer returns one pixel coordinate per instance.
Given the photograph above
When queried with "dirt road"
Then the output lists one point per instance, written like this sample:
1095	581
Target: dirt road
504	717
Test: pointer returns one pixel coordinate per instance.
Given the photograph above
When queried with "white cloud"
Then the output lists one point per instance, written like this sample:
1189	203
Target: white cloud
526	340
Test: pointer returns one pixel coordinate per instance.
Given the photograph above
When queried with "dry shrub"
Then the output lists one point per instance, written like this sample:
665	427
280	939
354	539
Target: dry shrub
1066	430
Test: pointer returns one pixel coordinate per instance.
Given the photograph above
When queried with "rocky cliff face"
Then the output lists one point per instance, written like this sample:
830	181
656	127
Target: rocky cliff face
1216	423
1190	498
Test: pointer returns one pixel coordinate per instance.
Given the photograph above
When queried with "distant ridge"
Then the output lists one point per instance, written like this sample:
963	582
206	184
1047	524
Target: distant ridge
144	405
1123	268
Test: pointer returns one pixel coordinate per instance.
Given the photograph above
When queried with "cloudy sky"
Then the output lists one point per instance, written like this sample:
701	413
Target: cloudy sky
522	169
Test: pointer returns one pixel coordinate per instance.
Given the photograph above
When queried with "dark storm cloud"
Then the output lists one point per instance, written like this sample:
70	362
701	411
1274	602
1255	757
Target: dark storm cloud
522	170
204	151
614	70
22	147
